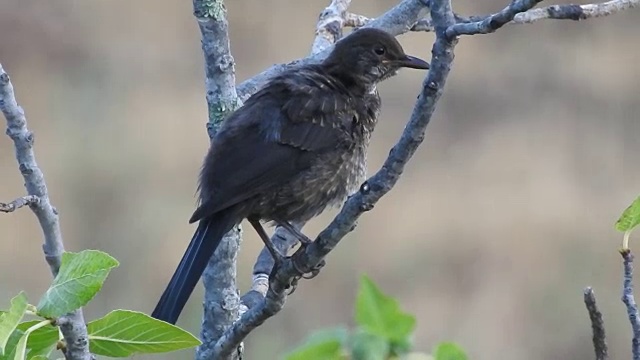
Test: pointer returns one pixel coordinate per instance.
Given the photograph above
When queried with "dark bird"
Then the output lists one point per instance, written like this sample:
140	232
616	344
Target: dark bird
295	147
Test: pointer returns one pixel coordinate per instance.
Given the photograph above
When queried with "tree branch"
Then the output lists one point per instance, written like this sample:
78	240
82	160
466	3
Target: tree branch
330	23
597	325
305	259
562	12
630	302
493	22
267	295
221	300
16	204
71	325
396	21
575	12
356	21
328	30
409	16
557	12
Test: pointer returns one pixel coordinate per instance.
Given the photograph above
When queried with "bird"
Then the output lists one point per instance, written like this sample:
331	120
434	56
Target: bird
294	148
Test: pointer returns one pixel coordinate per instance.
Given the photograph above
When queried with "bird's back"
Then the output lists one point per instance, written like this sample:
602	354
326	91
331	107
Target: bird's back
296	146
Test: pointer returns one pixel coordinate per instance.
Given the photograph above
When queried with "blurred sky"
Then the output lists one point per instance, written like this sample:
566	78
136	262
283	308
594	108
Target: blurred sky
503	216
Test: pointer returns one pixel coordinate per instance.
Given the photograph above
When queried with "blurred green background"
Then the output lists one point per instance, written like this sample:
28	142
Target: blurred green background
504	215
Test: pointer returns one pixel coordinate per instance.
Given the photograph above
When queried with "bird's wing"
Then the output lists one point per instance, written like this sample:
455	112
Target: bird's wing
263	153
320	116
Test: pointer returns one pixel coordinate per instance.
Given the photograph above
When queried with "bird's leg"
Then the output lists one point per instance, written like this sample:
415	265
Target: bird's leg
304	241
277	257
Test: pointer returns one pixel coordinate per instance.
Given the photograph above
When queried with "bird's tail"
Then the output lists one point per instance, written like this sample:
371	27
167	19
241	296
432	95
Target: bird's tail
203	244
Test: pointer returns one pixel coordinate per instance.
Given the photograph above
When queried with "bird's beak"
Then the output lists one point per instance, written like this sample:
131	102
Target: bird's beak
413	62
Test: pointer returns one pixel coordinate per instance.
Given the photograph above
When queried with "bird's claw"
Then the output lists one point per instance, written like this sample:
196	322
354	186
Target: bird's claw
278	260
315	271
293	286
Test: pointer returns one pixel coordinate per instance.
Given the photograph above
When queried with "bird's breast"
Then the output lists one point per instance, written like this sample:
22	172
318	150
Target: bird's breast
332	177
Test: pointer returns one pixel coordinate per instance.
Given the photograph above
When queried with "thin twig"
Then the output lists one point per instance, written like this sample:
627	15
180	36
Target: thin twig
221	300
72	325
29	200
355	20
597	325
405	17
493	22
575	12
630	302
556	12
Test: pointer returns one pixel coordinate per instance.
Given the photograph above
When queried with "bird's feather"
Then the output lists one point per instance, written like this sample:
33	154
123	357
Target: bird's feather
263	145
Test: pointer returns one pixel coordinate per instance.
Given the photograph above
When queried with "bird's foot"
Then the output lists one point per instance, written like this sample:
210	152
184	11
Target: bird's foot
308	274
315	271
278	261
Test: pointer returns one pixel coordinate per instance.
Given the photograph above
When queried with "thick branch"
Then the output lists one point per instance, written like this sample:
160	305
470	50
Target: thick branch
305	259
221	300
597	325
630	302
72	325
220	80
330	23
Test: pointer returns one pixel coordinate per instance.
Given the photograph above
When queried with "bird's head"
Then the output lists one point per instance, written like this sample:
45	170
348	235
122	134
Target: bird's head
369	56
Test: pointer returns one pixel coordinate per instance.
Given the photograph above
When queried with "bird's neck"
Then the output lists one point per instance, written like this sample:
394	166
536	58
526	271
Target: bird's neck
356	82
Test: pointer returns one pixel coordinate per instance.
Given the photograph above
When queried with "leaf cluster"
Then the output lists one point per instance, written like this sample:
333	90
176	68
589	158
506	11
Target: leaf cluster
121	333
383	332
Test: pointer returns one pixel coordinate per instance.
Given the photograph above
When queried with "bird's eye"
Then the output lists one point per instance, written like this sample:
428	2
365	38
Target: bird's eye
380	50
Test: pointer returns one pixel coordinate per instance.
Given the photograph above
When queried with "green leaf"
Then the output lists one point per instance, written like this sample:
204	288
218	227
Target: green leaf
11	319
122	333
42	340
368	346
39	357
630	218
381	314
323	345
80	278
449	351
21	347
10	349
